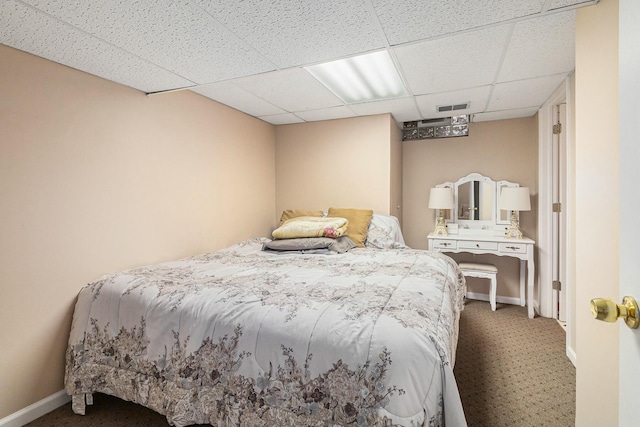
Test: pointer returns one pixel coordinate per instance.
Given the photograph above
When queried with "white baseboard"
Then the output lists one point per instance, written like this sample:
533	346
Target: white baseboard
500	299
38	409
571	354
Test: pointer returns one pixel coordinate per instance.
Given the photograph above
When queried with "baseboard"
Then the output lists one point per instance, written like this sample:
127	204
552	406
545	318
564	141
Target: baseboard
38	409
571	354
500	299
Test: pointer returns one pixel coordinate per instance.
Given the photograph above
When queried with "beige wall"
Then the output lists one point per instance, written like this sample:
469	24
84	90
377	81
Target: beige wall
338	163
570	267
96	177
596	211
503	149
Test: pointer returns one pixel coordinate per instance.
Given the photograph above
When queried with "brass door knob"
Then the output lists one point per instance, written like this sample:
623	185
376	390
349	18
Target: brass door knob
608	311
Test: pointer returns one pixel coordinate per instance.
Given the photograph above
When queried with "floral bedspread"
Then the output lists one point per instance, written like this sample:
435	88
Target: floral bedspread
241	337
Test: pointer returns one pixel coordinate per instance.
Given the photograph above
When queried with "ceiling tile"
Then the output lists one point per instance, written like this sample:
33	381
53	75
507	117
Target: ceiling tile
477	97
251	54
176	35
229	94
452	63
291	90
402	109
69	46
282	119
409	20
524	93
326	114
504	115
301	32
540	46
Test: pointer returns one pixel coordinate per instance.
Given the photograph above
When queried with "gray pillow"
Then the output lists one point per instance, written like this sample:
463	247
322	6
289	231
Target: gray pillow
340	245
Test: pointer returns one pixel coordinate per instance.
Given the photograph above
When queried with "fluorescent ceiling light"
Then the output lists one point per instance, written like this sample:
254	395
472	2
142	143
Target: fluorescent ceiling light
370	77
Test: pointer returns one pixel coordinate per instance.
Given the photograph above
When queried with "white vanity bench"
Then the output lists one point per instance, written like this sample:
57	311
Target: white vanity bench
476	225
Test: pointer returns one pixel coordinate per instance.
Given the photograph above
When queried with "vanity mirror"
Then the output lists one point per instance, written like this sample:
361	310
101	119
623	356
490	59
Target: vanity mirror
476	205
475	199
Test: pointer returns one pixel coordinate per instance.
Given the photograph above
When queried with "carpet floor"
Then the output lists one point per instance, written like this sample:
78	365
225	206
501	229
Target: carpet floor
511	371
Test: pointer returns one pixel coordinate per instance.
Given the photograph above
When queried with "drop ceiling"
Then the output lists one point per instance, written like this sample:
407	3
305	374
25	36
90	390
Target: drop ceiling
503	57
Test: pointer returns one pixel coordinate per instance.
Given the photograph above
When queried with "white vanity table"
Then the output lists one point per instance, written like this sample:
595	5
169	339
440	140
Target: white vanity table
476	225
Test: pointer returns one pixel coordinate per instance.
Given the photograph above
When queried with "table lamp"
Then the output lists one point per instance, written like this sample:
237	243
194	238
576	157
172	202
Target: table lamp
515	199
441	198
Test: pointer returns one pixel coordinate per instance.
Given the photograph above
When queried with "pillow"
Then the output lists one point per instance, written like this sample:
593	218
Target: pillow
311	226
358	225
294	213
384	233
339	245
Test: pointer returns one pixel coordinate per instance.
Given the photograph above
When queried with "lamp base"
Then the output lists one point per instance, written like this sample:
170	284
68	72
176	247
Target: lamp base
441	227
514	232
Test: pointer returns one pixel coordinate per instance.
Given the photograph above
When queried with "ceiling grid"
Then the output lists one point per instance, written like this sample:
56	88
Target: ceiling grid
504	57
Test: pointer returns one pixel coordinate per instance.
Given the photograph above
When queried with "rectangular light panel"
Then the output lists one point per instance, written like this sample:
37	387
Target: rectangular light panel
370	77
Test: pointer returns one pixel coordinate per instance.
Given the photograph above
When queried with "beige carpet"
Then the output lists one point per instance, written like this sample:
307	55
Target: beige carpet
511	371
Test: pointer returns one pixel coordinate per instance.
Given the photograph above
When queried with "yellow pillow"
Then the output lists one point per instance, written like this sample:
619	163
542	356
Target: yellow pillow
294	213
359	220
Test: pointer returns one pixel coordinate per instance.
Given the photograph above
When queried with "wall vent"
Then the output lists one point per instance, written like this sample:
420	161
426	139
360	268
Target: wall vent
454	107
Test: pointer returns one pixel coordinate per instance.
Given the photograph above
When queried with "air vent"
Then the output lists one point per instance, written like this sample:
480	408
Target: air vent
439	121
444	127
454	107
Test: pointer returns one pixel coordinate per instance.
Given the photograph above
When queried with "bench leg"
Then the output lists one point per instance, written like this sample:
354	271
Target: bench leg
492	293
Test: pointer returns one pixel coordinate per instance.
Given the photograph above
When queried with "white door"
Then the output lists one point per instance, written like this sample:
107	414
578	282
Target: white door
629	145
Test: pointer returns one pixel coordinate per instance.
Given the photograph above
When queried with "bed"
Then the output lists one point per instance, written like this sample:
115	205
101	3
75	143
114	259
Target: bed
251	337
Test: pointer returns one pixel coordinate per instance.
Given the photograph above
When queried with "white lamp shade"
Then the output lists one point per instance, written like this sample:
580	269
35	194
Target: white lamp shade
515	199
441	198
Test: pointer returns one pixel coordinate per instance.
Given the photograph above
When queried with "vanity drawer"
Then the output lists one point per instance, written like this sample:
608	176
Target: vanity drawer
515	248
444	244
485	246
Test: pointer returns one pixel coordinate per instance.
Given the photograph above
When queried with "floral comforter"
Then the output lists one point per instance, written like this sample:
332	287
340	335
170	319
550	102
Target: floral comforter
242	337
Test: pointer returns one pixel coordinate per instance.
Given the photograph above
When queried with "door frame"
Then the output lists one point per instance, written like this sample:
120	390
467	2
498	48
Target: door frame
544	240
559	217
629	233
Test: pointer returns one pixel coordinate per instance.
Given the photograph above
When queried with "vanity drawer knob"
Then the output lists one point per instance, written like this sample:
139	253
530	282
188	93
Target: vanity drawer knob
477	245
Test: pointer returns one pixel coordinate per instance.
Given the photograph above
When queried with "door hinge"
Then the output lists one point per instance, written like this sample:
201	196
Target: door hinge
557	207
557	129
556	285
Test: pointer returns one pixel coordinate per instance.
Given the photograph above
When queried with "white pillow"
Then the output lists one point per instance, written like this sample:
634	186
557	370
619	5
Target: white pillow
384	233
